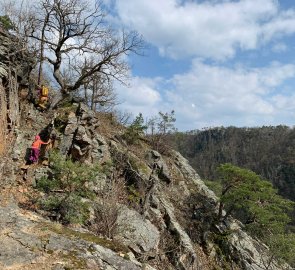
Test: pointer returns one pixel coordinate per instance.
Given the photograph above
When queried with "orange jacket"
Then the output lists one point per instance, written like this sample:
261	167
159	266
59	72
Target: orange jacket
37	144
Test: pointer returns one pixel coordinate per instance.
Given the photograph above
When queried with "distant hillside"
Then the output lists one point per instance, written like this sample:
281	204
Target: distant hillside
268	151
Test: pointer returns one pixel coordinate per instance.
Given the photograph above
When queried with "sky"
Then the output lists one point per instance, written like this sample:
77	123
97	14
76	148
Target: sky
215	62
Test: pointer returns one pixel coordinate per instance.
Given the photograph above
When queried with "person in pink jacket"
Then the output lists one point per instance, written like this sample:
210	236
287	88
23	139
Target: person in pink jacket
35	150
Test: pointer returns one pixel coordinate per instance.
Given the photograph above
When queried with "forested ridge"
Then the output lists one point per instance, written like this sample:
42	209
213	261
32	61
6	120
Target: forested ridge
269	151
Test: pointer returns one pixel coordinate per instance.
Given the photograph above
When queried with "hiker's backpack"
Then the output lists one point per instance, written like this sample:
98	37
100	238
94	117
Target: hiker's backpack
44	91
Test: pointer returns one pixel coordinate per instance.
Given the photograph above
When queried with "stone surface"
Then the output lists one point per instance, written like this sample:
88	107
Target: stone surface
136	232
154	158
30	242
249	254
15	67
190	175
188	258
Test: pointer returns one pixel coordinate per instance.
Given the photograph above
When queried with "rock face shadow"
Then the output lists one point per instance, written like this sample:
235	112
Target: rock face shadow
27	156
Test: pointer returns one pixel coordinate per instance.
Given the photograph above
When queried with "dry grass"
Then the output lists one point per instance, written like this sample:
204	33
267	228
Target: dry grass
2	146
108	125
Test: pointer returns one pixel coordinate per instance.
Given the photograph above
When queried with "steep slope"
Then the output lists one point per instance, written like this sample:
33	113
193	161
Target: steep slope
149	211
157	227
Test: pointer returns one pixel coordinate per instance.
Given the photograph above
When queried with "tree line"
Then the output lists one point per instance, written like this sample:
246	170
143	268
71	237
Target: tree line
268	151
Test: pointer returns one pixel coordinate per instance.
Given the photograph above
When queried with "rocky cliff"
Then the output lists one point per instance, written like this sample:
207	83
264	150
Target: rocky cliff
155	211
15	67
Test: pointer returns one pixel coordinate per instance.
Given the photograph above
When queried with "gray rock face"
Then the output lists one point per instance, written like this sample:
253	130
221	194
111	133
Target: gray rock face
253	254
15	244
188	258
15	66
81	144
163	187
29	242
80	138
136	232
155	159
191	176
85	113
100	148
69	134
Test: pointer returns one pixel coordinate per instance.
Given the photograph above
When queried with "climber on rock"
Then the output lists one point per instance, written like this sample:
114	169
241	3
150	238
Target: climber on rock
35	150
43	97
49	146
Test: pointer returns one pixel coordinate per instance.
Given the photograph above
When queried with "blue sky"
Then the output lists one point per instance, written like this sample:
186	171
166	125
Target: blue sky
216	63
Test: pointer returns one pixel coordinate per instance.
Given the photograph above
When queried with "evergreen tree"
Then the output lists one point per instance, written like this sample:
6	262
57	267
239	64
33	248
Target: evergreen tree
166	122
136	130
255	202
6	22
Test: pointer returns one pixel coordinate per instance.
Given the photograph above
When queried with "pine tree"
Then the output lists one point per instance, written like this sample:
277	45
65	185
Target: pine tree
254	201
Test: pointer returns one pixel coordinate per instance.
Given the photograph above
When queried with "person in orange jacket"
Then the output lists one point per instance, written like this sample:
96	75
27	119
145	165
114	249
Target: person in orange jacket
35	150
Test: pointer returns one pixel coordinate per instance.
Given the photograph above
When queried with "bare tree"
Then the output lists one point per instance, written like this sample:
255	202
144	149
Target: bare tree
158	130
99	93
76	37
123	117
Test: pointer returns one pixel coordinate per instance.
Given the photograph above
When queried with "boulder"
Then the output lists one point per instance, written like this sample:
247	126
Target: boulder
30	242
100	149
136	232
85	114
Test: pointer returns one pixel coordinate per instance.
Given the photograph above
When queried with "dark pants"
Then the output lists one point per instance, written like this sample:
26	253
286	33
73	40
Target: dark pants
34	155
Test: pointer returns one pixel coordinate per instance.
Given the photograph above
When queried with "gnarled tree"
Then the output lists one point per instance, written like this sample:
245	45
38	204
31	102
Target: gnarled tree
75	39
75	36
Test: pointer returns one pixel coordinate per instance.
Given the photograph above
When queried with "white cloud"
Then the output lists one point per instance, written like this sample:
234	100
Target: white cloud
285	103
213	29
225	96
279	47
142	96
209	95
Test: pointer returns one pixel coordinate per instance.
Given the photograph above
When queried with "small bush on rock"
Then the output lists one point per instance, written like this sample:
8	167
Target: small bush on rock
66	189
135	131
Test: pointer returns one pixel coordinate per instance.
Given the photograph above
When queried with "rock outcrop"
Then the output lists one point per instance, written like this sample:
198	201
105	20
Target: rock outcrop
163	216
170	221
30	242
15	67
136	232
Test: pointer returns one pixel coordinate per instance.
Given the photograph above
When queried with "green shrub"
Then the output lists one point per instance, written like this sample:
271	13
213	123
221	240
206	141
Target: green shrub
133	194
107	168
46	185
215	186
50	203
74	210
66	189
135	131
6	22
283	247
